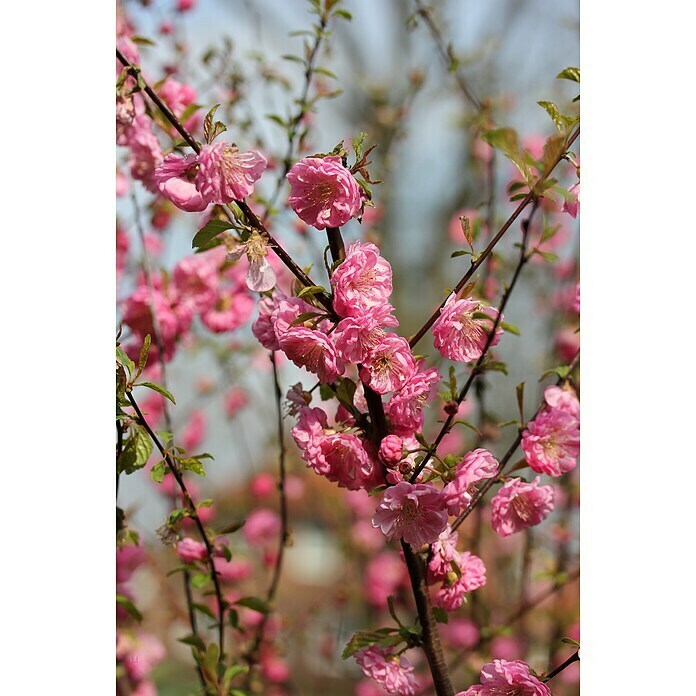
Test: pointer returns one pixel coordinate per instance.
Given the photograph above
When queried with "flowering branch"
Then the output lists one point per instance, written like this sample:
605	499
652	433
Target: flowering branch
477	369
575	657
507	456
243	206
480	258
193	514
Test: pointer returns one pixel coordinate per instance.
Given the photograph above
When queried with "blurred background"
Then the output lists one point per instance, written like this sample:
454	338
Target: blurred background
397	88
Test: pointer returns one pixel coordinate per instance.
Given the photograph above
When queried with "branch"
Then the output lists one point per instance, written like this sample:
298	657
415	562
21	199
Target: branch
248	213
575	657
193	514
524	257
532	195
506	457
253	654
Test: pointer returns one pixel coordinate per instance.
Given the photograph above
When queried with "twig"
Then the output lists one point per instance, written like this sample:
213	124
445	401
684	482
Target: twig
575	657
480	258
242	205
506	457
523	258
193	514
252	654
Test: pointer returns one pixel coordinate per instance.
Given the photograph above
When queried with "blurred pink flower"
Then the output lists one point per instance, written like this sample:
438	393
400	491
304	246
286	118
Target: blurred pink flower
262	526
189	550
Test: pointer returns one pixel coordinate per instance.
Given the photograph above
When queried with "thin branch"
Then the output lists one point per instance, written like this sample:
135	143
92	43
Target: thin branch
242	205
507	456
252	654
193	514
294	124
575	657
480	258
523	259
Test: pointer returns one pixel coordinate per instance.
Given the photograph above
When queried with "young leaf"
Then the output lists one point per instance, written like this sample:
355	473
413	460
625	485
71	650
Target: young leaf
209	232
255	603
158	389
129	607
572	74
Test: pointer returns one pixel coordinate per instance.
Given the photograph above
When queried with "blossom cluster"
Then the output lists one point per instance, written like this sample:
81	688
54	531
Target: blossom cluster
202	285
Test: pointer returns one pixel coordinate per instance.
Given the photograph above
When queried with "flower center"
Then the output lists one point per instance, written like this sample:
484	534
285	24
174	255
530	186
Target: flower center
409	512
522	507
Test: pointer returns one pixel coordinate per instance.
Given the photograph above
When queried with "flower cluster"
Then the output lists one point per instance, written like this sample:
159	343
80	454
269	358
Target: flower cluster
200	285
551	442
503	677
394	674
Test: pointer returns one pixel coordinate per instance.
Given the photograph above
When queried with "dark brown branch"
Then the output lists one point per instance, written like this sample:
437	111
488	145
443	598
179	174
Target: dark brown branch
250	216
507	456
193	514
477	369
575	657
480	258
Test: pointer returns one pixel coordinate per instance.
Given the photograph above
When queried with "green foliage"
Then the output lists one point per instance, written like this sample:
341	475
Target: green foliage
211	230
506	140
572	74
255	603
137	449
211	129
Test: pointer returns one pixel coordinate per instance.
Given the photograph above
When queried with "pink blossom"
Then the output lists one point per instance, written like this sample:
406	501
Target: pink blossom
177	96
572	204
362	282
458	334
412	512
263	485
393	673
385	575
260	276
232	571
261	526
137	314
460	633
507	647
444	551
121	184
576	301
389	366
274	668
189	550
196	283
567	343
551	442
128	559
139	652
477	465
232	310
323	193
185	5
354	337
145	152
235	400
174	178
340	457
314	351
563	399
285	311
405	408
225	174
262	328
391	450
471	576
519	504
194	432
502	677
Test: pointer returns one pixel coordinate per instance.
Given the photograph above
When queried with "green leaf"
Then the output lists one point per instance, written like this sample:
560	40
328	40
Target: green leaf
505	140
519	390
293	59
326	392
570	641
303	317
467	424
255	603
561	371
195	641
510	328
212	130
364	639
277	119
158	470
136	451
345	392
158	389
440	615
572	74
129	607
343	13
210	662
123	359
142	358
200	580
205	610
358	144
312	290
209	232
461	252
231	673
561	121
192	464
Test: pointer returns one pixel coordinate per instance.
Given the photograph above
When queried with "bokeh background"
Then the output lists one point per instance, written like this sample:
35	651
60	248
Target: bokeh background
397	89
